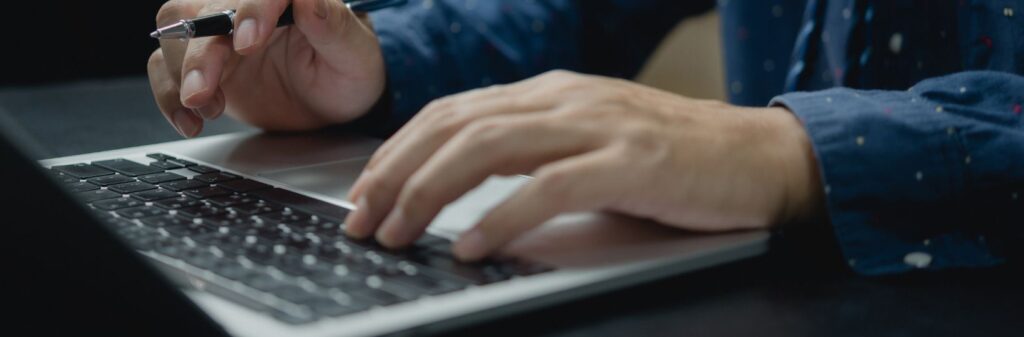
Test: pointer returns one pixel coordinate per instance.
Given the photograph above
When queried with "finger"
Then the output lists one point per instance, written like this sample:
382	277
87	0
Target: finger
497	145
165	91
255	21
174	49
381	188
584	182
334	30
446	115
202	70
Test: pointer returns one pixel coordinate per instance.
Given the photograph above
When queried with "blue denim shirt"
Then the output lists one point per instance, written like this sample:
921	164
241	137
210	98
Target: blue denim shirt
913	107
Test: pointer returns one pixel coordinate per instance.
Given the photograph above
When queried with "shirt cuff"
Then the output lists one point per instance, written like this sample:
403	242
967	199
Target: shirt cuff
886	161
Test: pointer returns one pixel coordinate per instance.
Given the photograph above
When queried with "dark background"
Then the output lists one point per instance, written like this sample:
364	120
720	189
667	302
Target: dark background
52	41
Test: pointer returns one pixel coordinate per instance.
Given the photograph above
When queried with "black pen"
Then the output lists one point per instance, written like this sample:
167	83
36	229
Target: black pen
222	23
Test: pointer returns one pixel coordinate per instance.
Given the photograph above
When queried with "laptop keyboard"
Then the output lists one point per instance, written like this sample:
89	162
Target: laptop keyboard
264	247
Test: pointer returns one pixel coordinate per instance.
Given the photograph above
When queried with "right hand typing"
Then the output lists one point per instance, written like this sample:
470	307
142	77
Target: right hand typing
327	68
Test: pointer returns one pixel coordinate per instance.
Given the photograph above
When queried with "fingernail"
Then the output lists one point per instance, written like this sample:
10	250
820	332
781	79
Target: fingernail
246	34
184	123
207	112
320	9
355	223
393	231
192	84
471	246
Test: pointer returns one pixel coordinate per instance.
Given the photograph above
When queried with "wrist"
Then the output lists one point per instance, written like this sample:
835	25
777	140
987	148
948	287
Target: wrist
803	200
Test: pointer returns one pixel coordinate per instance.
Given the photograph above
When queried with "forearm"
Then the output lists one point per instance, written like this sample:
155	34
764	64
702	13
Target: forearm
437	48
927	178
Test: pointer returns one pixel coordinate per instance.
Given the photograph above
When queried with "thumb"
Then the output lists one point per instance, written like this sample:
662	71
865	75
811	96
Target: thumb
334	31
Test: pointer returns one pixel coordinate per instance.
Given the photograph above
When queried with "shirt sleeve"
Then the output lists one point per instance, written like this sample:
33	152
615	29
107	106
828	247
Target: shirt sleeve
929	178
434	48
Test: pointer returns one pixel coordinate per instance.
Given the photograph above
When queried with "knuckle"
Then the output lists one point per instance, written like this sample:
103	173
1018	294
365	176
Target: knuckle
438	105
198	50
171	12
553	184
641	141
156	60
487	131
419	192
376	189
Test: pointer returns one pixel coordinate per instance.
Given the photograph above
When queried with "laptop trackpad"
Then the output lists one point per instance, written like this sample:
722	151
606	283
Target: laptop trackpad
332	179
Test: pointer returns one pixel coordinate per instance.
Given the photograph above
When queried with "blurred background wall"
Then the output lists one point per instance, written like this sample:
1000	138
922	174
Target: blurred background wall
64	40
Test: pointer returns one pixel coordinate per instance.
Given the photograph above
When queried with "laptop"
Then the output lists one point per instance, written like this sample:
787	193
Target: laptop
241	235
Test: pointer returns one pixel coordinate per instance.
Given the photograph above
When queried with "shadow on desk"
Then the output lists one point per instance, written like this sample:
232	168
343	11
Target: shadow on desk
784	295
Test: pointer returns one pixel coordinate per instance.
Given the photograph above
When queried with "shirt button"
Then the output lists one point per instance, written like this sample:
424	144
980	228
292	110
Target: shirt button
918	259
896	43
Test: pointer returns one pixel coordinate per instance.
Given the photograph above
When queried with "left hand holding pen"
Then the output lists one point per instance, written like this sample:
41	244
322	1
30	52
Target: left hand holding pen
591	143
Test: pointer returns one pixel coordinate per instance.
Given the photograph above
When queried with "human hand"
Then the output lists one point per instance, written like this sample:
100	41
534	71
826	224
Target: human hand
326	68
592	143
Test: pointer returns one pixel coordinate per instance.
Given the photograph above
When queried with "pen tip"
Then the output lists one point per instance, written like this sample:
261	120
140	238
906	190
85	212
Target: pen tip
155	34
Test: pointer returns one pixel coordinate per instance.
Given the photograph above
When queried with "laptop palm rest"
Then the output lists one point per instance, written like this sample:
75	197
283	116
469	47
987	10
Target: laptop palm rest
581	240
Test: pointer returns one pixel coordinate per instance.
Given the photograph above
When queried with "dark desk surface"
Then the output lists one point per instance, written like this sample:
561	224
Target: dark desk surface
786	293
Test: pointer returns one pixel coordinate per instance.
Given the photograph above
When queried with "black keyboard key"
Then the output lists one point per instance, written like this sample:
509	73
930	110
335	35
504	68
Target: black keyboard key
82	171
215	178
202	169
244	185
477	273
182	185
227	219
269	233
165	221
291	199
286	215
519	267
64	179
430	284
294	265
231	200
189	229
256	208
260	253
200	211
132	187
141	212
160	178
181	162
160	156
337	278
176	203
126	167
81	187
165	165
294	294
206	192
376	297
116	204
155	195
95	195
113	179
317	226
403	291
